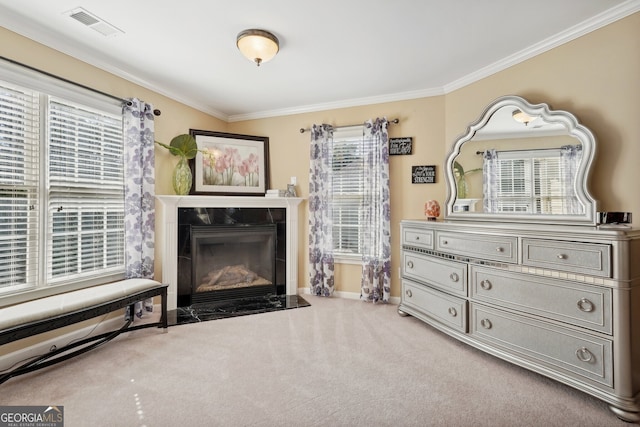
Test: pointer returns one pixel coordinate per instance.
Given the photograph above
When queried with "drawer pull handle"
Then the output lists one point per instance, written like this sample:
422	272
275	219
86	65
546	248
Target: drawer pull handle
417	237
410	264
444	242
409	293
585	305
562	256
499	249
584	355
485	284
486	323
453	312
454	277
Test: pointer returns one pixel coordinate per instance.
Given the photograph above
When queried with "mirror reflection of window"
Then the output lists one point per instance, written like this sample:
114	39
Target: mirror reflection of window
532	181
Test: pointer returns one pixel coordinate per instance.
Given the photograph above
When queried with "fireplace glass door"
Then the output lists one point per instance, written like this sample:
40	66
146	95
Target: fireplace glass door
230	262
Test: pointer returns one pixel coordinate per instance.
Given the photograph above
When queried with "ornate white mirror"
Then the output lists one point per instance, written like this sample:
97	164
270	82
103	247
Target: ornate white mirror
521	162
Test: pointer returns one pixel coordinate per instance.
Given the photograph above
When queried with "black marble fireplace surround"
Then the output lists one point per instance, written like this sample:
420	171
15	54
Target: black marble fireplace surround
256	229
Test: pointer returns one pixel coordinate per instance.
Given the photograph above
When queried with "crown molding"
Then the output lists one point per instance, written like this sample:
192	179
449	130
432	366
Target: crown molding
40	35
347	103
605	18
13	22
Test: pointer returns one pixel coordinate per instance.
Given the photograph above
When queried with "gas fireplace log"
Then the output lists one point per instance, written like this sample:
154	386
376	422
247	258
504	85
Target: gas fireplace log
233	276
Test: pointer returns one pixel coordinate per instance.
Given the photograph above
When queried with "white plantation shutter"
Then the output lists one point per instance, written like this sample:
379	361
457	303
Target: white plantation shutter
18	187
348	181
85	191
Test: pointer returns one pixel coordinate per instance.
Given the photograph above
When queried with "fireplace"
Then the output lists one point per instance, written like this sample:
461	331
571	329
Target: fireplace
229	262
229	211
230	253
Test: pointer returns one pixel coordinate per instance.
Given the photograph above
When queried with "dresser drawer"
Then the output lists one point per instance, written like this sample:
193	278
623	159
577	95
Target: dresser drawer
444	308
485	246
555	347
577	304
417	237
447	275
586	258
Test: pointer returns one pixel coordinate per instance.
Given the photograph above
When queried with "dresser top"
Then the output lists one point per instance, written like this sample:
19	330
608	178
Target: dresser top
548	231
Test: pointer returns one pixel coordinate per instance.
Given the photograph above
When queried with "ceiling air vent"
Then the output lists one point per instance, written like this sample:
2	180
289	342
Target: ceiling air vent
93	22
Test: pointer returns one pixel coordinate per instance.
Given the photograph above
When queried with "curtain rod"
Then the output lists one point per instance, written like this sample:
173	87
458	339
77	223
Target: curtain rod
531	149
156	112
394	121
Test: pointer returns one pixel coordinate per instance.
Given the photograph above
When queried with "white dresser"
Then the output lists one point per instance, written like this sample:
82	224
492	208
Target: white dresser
563	301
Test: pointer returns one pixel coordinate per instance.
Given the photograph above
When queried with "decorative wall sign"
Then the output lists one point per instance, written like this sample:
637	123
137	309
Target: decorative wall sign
400	146
423	174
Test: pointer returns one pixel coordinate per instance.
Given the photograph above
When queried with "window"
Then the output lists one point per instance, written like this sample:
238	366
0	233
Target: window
347	182
61	185
532	182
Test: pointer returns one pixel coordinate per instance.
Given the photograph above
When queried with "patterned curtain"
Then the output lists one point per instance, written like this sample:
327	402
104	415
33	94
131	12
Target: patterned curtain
376	214
321	265
570	156
490	180
139	193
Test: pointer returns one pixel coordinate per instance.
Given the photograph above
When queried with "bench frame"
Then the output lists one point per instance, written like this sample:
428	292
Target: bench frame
64	353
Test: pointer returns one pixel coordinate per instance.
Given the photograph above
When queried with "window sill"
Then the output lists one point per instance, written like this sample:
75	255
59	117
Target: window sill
355	259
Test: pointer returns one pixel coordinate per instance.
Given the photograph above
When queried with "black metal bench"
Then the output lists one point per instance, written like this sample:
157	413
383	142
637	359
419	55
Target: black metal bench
47	314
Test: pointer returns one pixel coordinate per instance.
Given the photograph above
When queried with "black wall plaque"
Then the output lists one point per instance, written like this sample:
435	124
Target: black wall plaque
423	174
400	146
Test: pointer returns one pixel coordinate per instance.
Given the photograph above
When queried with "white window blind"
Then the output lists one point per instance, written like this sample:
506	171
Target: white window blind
347	188
85	191
530	181
61	186
19	135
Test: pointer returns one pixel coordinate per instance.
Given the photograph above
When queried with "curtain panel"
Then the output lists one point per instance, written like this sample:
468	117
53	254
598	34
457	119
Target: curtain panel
490	180
570	157
376	214
321	262
139	215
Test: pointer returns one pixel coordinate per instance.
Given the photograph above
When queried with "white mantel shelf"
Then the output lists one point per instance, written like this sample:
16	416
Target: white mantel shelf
167	232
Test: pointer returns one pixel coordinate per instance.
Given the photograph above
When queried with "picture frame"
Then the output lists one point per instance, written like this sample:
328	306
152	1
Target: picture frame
230	164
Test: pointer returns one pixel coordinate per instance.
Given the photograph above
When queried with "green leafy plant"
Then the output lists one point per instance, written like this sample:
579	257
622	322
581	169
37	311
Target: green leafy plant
461	179
185	147
182	145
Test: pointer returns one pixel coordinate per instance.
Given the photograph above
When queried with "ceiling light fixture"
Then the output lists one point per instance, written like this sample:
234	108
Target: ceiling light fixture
258	45
522	117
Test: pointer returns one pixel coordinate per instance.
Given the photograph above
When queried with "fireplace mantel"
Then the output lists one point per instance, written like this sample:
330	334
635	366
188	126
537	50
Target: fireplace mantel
167	232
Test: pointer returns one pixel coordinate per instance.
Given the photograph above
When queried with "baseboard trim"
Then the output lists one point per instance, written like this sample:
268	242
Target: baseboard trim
347	295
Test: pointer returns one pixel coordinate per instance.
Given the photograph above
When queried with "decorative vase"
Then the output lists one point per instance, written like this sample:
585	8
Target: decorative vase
182	177
432	210
462	187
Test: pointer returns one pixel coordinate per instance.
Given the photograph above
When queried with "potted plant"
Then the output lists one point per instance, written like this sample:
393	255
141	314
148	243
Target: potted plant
186	148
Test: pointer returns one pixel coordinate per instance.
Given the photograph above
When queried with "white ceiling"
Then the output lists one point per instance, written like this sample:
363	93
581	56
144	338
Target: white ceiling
333	53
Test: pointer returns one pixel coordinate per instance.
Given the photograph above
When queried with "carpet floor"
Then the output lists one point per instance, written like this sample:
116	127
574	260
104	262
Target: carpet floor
338	362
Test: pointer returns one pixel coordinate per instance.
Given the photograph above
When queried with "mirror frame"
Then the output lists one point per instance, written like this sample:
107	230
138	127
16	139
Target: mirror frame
574	128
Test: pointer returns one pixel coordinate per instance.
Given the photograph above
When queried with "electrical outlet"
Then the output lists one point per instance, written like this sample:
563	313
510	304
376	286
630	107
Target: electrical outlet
294	180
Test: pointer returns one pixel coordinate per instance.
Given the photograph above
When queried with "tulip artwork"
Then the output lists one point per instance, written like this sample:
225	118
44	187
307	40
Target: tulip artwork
230	165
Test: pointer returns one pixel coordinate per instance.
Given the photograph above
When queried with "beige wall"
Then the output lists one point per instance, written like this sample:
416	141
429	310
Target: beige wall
595	77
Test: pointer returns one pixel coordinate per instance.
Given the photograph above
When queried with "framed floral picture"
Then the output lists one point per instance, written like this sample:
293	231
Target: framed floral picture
230	164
